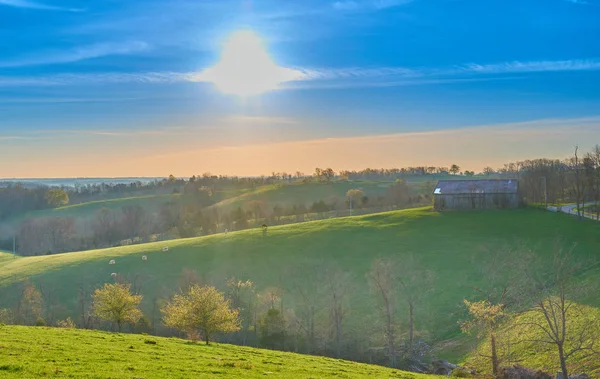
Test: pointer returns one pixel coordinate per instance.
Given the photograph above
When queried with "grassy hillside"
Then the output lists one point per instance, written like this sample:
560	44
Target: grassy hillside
150	203
451	245
29	352
304	193
536	355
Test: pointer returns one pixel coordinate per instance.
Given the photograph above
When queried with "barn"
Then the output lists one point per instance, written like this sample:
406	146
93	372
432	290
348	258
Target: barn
476	194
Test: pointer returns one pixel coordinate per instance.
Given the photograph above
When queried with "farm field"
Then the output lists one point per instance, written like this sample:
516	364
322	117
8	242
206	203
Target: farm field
32	352
452	246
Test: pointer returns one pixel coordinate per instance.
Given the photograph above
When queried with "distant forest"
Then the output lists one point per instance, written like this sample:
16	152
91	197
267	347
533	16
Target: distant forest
193	211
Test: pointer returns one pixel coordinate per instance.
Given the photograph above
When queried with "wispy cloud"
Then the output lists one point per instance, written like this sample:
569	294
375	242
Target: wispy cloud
36	5
356	5
261	120
330	77
535	66
79	53
577	1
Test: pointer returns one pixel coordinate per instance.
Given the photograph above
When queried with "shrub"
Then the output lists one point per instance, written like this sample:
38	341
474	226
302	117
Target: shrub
460	372
40	322
143	325
66	323
6	316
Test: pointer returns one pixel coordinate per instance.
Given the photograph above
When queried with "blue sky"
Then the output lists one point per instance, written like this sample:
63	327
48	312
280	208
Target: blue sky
122	80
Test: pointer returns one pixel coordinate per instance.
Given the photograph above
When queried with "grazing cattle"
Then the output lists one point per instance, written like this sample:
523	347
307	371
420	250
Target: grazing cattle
166	248
144	258
114	275
112	262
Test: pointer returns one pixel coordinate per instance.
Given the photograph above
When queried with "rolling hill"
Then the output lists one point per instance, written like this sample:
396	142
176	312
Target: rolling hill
452	246
32	352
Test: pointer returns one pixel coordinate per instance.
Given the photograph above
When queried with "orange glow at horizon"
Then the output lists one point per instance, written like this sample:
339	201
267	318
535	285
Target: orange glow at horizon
472	149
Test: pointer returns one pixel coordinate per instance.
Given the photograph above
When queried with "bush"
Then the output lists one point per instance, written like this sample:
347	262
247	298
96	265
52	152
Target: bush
6	316
143	325
460	372
66	323
40	322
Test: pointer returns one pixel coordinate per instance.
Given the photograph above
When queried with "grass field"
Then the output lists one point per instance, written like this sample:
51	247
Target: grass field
150	203
30	352
451	245
304	193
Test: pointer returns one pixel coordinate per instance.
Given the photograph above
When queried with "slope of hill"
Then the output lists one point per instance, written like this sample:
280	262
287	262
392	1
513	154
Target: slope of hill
542	356
452	246
150	203
32	352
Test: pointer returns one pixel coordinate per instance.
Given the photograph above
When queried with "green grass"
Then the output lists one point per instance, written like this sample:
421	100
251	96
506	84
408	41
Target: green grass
451	245
516	338
32	352
304	193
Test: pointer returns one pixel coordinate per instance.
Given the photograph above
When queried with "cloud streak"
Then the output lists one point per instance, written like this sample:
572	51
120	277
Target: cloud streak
365	5
35	5
80	53
330	78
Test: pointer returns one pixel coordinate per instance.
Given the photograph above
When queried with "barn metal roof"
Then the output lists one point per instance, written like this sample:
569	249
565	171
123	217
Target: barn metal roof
457	187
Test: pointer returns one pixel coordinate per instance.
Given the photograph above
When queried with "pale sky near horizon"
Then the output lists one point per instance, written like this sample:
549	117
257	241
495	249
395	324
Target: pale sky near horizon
246	87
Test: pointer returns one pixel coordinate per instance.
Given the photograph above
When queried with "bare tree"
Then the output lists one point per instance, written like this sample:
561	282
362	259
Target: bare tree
338	286
308	290
557	312
593	172
132	219
414	282
579	185
382	278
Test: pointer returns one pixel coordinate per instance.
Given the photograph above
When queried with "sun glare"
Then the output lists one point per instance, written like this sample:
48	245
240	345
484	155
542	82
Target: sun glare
246	69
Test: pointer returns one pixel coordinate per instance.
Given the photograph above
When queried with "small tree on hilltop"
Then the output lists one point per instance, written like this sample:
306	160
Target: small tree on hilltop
116	303
454	169
201	309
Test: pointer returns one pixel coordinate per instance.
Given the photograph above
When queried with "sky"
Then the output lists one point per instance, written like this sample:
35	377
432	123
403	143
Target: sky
109	88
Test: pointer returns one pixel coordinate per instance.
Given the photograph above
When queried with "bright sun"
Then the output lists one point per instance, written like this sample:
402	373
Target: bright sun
246	69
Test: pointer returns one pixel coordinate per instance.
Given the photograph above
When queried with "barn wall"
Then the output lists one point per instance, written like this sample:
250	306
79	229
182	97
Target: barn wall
476	201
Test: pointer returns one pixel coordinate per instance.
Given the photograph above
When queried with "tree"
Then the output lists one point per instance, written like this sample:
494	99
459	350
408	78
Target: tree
116	303
242	295
398	193
337	284
413	283
57	198
354	197
133	217
31	305
556	313
272	329
454	169
382	280
499	288
488	171
328	173
485	318
201	309
579	187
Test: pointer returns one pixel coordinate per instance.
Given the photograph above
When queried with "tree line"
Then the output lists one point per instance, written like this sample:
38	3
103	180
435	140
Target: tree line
190	215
